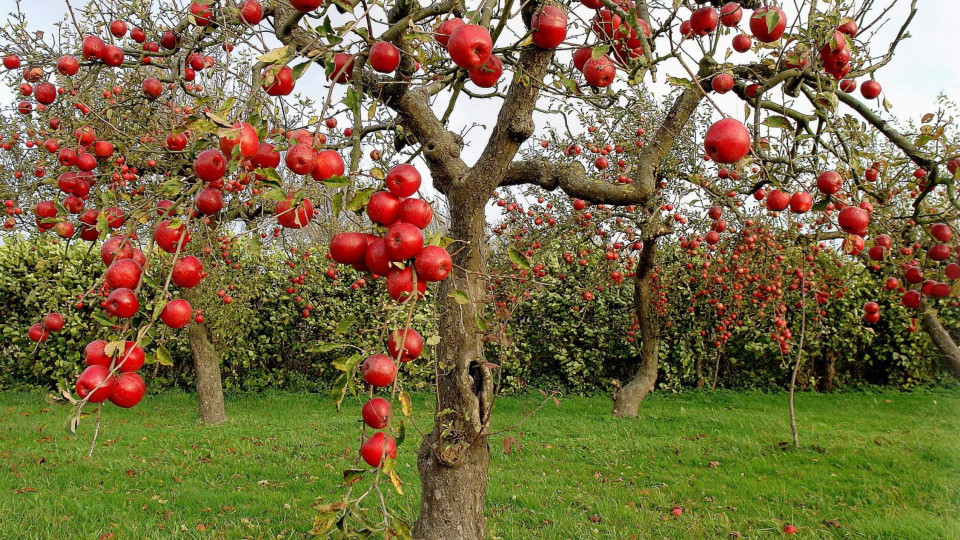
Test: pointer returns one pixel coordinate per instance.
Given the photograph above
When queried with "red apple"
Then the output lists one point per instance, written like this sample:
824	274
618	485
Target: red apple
210	165
128	391
400	284
95	384
306	5
730	14
123	274
167	237
549	26
829	182
800	202
376	413
53	322
433	263
373	449
487	75
599	72
301	158
379	370
403	180
470	46
415	212
727	141
176	313
742	43
384	57
722	83
293	217
122	303
348	247
768	24
445	29
778	200
38	333
188	272
376	259
278	81
131	359
870	89
412	344
704	20
403	241
241	134
251	12
328	165
383	208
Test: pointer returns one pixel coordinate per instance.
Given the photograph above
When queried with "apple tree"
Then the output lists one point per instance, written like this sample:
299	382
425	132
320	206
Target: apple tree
404	75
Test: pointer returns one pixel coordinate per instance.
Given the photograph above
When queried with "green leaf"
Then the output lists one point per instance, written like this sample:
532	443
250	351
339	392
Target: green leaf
378	173
325	348
777	122
460	297
202	126
773	17
681	82
826	100
157	309
299	69
345	324
482	324
352	476
352	98
171	187
337	203
275	195
360	199
599	51
518	258
163	356
273	55
337	181
401	433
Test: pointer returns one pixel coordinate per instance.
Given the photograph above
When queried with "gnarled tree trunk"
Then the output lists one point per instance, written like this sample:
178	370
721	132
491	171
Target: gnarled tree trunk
942	339
206	364
626	401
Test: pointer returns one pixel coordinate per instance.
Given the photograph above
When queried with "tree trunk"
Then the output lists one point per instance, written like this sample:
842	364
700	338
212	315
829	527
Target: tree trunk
452	496
626	401
454	457
826	371
698	366
942	340
206	364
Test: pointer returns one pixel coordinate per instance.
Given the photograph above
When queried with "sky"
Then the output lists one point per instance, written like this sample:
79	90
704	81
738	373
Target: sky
923	67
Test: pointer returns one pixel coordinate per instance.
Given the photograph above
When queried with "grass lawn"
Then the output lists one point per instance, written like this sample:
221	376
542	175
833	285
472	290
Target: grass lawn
872	465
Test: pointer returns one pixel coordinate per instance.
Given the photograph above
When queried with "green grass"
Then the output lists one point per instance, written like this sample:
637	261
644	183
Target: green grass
872	465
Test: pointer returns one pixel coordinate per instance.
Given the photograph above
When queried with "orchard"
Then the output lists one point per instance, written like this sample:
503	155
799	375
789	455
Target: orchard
428	205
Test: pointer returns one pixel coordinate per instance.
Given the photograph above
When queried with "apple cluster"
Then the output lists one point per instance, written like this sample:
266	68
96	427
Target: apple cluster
400	255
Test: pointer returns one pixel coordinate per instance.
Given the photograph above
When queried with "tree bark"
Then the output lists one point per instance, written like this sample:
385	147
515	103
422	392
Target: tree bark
453	459
626	401
942	339
826	371
206	364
